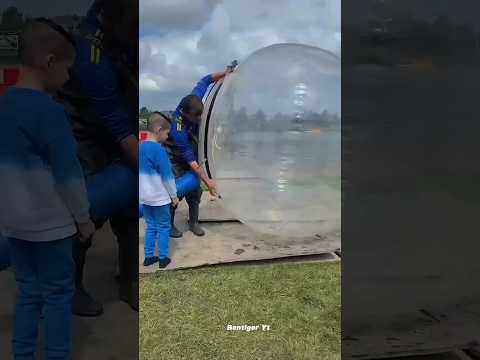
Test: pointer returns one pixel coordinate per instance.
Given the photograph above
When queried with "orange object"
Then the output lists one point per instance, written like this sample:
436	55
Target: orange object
143	135
8	77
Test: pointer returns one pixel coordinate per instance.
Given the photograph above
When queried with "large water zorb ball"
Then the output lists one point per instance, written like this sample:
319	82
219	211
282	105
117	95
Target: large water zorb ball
275	141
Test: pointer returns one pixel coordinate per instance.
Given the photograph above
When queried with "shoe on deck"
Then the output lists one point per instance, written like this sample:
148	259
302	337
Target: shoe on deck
163	263
150	260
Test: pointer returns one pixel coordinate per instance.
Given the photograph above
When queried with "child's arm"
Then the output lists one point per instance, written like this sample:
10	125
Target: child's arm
165	169
61	154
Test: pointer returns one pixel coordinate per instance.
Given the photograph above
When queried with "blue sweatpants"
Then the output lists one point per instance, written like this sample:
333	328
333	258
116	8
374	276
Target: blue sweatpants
157	219
44	276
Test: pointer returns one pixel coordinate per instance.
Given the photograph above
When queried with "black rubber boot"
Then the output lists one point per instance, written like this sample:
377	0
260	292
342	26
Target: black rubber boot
193	212
174	232
82	302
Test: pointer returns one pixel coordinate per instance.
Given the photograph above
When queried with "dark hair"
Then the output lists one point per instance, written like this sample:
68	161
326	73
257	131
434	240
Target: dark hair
30	44
163	116
113	10
58	28
157	122
189	102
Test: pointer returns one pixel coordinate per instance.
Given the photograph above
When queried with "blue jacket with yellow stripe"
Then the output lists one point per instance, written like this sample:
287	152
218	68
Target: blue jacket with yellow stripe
99	78
184	134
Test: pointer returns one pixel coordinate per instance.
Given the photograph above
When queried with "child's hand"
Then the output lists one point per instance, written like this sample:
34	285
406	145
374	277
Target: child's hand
175	202
86	231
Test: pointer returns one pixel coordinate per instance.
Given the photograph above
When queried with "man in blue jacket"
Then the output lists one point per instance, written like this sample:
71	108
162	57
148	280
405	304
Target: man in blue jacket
182	147
102	101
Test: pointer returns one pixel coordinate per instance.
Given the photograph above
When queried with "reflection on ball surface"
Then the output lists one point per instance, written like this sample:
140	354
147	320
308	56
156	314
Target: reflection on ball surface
275	141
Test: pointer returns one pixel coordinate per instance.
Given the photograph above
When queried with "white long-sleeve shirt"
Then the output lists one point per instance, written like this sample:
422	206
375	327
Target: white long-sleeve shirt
156	180
42	187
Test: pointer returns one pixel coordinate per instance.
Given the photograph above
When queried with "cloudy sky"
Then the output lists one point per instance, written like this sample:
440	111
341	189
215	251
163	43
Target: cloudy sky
182	40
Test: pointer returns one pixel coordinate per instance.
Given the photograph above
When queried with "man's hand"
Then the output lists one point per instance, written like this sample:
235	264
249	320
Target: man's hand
86	231
175	202
231	67
212	187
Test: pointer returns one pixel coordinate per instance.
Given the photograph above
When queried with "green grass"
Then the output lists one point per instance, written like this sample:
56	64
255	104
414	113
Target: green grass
183	314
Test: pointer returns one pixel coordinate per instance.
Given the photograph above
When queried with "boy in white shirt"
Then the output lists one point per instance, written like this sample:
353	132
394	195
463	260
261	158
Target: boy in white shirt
157	191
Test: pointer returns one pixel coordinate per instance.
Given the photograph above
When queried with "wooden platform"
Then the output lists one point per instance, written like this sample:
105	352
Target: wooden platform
211	211
227	240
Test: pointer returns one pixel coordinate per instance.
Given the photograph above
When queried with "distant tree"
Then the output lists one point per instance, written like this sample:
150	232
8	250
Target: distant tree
144	110
242	114
260	119
241	119
142	124
11	18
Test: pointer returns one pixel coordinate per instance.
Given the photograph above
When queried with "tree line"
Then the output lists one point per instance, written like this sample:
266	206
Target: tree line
242	120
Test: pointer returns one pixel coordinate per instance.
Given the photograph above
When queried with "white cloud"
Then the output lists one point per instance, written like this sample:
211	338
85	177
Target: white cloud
167	15
147	84
164	60
221	31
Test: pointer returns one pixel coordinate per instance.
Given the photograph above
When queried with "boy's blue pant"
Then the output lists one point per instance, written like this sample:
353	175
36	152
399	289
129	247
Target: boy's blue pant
157	219
44	276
